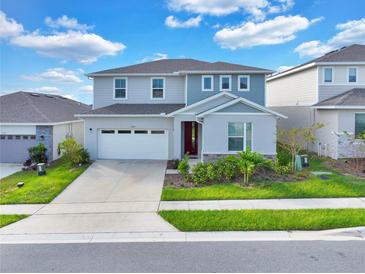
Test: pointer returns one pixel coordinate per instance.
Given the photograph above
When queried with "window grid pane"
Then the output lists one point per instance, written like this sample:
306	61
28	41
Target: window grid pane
328	75
120	93
359	123
243	83
235	129
235	143
352	75
157	83
225	82
207	83
120	83
157	93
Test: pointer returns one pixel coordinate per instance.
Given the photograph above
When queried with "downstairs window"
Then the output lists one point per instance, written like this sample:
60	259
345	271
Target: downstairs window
239	136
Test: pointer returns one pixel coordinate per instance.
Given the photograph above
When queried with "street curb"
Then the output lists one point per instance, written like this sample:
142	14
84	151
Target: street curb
345	234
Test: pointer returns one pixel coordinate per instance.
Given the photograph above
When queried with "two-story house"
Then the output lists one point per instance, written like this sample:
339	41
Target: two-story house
328	90
166	108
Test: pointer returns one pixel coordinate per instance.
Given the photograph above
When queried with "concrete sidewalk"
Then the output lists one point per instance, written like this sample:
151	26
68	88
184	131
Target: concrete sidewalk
344	234
264	204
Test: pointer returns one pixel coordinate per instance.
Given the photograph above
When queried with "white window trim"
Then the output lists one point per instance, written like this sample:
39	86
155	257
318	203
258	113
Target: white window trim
126	88
212	85
163	88
348	75
230	82
324	73
355	120
248	82
244	136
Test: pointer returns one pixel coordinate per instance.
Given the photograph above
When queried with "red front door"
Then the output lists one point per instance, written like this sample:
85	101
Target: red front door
191	138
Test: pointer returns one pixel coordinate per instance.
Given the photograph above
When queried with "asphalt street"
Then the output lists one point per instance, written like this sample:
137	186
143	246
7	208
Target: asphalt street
289	256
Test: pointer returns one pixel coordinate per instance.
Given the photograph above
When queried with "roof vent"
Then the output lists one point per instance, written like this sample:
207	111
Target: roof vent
35	94
49	96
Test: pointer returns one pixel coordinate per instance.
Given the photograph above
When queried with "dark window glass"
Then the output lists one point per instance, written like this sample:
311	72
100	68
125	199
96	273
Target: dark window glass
225	83
2	137
243	83
17	137
141	132
106	131
157	132
120	89
207	83
235	143
25	137
10	137
328	75
32	137
359	123
157	88
124	131
352	75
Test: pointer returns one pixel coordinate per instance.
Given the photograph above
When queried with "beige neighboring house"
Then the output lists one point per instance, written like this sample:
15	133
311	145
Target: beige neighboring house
27	119
329	90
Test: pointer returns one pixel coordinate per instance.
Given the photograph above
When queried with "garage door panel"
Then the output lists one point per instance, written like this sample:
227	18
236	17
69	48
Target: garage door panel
125	145
15	150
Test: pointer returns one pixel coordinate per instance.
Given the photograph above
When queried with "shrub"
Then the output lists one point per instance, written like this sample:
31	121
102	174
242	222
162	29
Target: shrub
281	169
73	152
184	167
37	154
200	173
227	168
249	161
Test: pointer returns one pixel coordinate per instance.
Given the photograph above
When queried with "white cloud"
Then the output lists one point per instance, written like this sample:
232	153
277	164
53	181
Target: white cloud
85	48
283	68
349	33
173	22
66	22
279	30
87	88
69	96
45	89
9	27
55	75
256	8
154	57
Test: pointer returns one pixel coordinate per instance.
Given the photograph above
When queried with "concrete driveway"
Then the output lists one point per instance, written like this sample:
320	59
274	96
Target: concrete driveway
110	196
7	169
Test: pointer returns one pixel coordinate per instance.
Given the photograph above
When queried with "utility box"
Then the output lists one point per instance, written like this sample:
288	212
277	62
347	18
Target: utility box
305	160
41	168
298	163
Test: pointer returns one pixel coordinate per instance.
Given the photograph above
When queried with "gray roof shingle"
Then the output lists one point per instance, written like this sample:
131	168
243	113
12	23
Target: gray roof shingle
26	107
353	97
135	109
176	65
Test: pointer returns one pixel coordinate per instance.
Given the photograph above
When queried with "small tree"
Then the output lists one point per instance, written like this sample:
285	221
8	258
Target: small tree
248	163
295	139
73	151
37	154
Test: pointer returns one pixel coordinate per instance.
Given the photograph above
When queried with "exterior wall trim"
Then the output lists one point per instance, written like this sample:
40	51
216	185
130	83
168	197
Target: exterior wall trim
339	107
211	78
121	115
41	124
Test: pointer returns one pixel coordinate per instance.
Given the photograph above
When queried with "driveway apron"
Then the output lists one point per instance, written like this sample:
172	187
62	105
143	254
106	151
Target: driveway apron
110	196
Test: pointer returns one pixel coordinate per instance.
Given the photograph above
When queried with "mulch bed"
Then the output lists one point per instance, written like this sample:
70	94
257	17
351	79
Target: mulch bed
348	166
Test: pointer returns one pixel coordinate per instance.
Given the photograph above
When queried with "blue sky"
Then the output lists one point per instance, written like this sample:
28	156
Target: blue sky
47	46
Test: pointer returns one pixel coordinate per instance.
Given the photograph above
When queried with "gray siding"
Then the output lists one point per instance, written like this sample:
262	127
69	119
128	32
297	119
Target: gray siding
239	107
328	91
298	116
255	94
138	91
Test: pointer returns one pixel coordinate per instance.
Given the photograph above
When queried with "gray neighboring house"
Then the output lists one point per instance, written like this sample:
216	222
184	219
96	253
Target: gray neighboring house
30	118
329	90
166	108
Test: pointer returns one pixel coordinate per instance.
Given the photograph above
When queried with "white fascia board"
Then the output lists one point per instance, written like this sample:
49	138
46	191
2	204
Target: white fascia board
225	71
340	63
339	107
291	71
245	101
220	94
132	74
119	115
41	124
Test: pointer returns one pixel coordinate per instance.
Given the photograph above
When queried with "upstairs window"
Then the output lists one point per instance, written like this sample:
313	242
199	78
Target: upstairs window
359	123
243	83
352	75
327	75
207	83
120	88
158	88
225	83
239	136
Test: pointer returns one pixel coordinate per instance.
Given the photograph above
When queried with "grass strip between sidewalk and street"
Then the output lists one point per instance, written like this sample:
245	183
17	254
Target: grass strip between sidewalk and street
9	219
38	189
264	220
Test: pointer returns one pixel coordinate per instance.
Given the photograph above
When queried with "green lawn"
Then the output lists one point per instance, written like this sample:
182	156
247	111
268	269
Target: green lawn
254	220
8	219
337	186
38	189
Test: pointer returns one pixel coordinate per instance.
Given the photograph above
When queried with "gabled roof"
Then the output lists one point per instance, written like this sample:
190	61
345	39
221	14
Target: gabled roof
133	109
168	66
38	108
351	54
352	98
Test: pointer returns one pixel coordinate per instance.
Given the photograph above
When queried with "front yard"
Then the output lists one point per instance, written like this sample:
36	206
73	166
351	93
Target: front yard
9	219
265	220
334	185
38	189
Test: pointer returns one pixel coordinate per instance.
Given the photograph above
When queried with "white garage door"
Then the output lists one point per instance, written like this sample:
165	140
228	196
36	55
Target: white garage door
133	144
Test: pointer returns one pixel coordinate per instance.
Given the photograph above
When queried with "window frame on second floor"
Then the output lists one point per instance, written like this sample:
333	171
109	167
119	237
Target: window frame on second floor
163	88
125	88
356	75
239	82
230	82
324	76
211	77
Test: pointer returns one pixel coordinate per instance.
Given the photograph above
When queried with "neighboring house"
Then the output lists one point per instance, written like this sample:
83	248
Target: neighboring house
329	90
166	108
30	118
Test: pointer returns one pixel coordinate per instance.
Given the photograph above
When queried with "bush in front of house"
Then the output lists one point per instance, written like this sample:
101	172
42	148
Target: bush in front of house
183	167
200	173
248	163
37	154
73	152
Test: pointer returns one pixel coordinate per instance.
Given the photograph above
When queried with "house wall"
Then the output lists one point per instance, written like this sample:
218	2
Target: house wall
215	132
17	129
256	93
91	137
297	89
298	116
44	134
340	83
61	132
138	91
